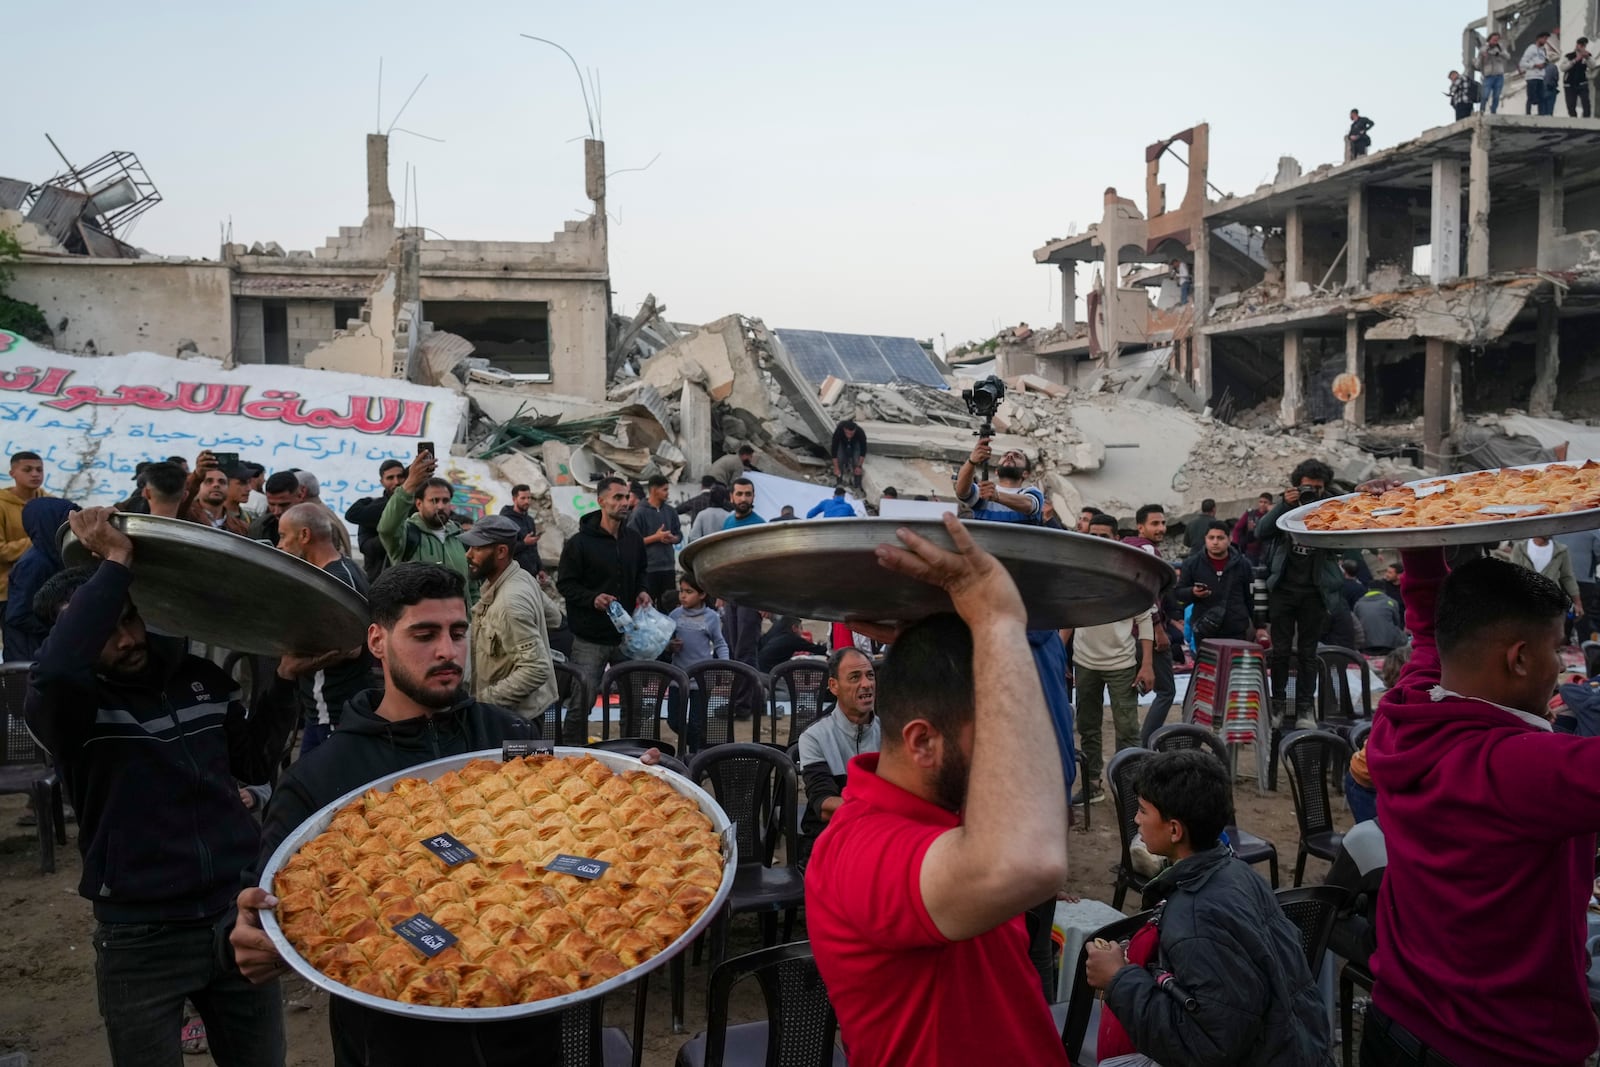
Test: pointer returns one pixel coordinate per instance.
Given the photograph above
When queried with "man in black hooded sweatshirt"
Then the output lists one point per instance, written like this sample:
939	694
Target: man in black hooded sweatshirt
419	635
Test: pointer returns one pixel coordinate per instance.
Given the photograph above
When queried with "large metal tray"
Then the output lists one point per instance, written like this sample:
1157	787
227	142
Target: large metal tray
218	588
1465	533
434	769
827	569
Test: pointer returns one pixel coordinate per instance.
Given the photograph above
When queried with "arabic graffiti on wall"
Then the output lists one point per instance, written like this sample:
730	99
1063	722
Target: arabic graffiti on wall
94	419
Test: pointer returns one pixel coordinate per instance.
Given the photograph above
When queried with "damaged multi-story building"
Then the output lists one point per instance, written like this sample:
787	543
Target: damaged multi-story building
375	299
1452	275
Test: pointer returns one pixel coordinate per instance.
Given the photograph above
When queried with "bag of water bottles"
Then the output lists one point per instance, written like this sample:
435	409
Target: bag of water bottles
647	634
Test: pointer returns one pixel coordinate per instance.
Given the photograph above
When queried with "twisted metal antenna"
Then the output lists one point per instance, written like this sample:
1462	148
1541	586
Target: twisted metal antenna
588	108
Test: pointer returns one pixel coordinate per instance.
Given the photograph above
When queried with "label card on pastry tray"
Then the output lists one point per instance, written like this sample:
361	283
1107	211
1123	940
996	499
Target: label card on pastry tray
577	865
447	848
510	750
425	935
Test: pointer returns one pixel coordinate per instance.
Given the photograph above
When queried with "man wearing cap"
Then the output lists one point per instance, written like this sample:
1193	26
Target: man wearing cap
510	653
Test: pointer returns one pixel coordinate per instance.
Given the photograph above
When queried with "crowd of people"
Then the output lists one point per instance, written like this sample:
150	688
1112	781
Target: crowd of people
936	795
1547	72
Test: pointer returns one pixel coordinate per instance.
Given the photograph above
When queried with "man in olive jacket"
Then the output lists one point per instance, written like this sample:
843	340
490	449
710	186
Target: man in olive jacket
1227	982
416	526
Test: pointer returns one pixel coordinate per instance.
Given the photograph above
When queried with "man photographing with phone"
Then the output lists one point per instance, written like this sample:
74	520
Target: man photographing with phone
416	526
1303	584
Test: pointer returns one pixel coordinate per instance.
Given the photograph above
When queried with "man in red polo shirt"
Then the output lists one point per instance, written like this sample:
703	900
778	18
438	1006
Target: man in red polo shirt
916	889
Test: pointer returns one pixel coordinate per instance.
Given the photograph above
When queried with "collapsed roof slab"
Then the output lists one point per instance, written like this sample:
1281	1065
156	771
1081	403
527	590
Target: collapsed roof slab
1517	143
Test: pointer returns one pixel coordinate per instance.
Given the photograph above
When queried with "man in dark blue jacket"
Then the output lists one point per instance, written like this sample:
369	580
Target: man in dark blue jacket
152	743
41	519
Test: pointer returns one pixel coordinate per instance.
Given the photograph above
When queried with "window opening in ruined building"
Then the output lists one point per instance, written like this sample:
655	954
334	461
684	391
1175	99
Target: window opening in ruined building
275	331
344	312
514	336
1394	380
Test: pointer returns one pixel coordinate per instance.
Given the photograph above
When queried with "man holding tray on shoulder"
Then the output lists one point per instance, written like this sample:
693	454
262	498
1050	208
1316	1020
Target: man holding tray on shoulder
419	636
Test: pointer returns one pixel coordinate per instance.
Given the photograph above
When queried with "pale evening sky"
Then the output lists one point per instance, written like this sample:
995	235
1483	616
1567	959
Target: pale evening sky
866	167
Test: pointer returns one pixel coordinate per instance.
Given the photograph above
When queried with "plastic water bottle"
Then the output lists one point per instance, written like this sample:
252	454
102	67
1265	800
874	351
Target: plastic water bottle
619	617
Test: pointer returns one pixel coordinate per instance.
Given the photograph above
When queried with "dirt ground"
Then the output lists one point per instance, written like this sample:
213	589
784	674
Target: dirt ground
47	990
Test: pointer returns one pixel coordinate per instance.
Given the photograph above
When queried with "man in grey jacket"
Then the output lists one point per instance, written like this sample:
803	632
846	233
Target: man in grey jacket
829	744
510	652
1226	980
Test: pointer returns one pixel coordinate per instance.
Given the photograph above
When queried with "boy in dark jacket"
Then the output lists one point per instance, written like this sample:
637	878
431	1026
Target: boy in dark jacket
1228	981
152	743
1217	582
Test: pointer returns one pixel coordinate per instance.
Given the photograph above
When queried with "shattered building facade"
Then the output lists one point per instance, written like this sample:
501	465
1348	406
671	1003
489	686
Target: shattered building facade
1399	294
377	299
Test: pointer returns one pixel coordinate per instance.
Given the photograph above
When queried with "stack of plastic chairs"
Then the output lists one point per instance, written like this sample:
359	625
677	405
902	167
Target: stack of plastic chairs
1228	694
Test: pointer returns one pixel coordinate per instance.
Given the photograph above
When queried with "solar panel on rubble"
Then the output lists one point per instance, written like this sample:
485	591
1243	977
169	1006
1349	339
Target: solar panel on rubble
859	357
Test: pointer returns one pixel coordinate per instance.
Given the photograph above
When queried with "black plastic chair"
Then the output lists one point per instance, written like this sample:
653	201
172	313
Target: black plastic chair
638	746
805	683
1312	759
24	766
1120	774
586	1041
758	789
1336	702
800	1026
1082	1004
643	688
573	689
725	684
1351	975
1247	846
1312	910
1591	657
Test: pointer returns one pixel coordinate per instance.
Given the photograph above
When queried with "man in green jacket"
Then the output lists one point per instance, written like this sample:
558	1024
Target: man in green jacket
416	526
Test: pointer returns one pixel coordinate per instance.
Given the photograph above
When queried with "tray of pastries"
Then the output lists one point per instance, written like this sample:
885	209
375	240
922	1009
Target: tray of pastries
1507	503
474	888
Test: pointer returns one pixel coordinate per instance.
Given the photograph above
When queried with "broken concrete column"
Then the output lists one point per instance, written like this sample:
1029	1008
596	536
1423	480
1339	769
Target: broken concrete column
1552	211
1069	294
380	202
1546	361
1294	246
1355	258
1478	202
1355	362
1293	405
1200	375
1437	383
694	431
1445	221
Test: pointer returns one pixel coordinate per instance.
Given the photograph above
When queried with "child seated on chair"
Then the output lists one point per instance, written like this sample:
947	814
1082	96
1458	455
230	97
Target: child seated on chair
1223	979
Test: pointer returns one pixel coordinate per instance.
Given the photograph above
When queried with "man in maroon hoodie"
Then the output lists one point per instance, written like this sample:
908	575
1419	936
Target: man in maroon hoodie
1490	822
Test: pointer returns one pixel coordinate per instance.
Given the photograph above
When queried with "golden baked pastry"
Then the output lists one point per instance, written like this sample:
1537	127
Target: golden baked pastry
523	933
1508	493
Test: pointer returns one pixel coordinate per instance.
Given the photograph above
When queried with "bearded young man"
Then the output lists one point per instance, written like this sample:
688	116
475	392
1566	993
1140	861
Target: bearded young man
419	636
916	889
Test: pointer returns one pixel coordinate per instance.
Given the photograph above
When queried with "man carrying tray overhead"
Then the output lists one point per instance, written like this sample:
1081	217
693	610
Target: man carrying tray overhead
419	636
919	882
152	744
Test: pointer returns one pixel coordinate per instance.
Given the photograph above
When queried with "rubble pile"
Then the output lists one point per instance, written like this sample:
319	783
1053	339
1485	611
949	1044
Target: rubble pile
694	394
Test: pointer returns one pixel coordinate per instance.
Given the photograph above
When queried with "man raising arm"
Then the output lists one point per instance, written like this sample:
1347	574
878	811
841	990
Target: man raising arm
943	840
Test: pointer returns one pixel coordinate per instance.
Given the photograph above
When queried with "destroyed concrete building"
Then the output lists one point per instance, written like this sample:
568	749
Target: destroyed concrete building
531	313
1308	300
